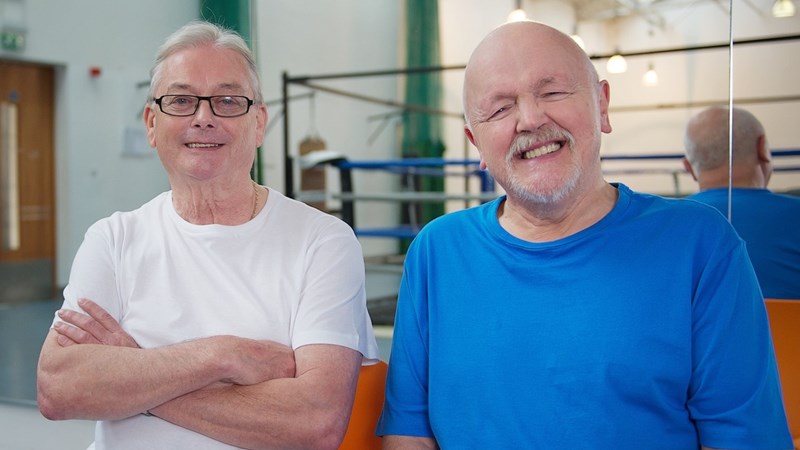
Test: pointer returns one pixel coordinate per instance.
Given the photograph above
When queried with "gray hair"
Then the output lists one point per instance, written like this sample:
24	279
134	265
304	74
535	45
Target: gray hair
198	34
706	140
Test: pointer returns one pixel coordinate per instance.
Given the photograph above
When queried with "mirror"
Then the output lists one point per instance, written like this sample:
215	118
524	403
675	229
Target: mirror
772	96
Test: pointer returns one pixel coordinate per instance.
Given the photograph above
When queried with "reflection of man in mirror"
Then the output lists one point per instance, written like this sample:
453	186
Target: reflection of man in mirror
767	221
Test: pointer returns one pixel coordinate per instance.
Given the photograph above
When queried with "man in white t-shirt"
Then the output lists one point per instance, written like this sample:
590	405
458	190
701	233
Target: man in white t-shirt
220	314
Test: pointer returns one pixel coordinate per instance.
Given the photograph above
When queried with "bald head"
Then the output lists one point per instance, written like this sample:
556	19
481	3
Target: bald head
536	112
521	44
706	139
707	146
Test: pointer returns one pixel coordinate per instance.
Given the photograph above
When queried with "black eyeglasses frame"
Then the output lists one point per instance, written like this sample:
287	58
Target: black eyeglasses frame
250	102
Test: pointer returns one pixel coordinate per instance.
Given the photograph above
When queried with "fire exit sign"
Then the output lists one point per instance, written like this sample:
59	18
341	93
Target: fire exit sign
12	39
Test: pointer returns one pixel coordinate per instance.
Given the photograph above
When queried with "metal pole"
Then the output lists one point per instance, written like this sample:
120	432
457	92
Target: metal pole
288	165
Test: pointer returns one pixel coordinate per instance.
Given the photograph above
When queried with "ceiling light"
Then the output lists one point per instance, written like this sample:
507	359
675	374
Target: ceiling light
578	41
783	8
616	64
517	15
650	77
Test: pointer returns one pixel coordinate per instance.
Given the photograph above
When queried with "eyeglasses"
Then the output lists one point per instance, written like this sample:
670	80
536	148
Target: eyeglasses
187	105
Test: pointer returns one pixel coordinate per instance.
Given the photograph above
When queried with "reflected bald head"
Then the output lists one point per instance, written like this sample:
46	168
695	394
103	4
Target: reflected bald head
707	138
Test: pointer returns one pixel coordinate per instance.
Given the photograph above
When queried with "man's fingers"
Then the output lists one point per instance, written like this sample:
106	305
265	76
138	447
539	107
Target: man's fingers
99	314
84	322
64	341
75	335
95	327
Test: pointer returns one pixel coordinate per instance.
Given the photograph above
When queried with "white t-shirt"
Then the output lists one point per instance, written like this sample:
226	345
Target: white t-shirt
293	275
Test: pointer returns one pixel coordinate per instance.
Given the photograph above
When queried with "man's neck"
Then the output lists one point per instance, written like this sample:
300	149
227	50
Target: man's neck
741	177
544	223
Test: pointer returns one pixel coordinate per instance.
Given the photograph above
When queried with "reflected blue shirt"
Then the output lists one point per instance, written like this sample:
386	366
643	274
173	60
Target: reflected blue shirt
770	225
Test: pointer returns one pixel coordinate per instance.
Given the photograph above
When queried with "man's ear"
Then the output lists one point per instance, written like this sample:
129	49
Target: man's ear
762	150
149	117
471	138
688	167
468	132
261	124
605	99
764	158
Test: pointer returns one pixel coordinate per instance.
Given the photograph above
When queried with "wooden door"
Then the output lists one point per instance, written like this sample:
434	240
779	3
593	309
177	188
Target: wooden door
27	182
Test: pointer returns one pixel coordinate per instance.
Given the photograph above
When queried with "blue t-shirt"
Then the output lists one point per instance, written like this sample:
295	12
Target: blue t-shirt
645	330
770	225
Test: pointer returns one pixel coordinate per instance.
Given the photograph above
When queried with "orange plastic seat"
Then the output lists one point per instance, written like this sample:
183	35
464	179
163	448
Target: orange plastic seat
784	322
367	409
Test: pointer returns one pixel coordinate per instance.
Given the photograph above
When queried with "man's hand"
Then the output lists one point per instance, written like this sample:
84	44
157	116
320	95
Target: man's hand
95	327
251	362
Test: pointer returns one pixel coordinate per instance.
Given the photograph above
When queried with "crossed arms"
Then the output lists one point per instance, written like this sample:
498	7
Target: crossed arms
240	391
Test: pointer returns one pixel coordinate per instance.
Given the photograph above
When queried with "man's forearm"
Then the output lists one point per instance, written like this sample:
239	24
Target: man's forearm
91	368
246	416
309	411
102	382
105	382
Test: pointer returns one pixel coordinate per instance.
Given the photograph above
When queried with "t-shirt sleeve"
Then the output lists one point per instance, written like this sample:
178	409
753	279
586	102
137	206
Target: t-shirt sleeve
332	307
92	274
734	394
405	411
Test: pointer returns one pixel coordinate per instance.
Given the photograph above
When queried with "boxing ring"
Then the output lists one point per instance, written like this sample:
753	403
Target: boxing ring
669	165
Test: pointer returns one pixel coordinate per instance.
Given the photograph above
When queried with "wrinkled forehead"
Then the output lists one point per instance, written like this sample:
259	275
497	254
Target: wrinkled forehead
204	67
525	49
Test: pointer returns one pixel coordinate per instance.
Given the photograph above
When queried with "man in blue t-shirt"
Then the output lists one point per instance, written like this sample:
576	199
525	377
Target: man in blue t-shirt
571	312
768	222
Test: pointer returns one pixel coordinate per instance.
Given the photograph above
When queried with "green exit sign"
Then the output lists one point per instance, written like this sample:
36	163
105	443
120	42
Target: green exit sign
11	39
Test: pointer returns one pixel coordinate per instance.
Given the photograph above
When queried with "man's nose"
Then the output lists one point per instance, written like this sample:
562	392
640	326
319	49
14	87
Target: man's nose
531	114
204	116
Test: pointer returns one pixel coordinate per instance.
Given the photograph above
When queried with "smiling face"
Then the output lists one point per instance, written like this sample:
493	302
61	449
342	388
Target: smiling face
536	111
203	146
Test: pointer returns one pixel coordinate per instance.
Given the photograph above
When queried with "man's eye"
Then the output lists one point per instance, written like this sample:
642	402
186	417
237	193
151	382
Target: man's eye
554	95
179	101
499	112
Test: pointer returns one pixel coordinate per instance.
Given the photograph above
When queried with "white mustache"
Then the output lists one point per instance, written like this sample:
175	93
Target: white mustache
525	141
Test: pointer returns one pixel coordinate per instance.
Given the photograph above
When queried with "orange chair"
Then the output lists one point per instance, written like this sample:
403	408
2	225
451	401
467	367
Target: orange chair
366	409
784	322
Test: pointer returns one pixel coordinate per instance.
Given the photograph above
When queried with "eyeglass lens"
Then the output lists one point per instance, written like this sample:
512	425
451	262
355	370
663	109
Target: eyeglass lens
221	105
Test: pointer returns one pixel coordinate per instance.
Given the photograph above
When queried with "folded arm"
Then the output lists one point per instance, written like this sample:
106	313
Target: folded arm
247	393
109	377
309	411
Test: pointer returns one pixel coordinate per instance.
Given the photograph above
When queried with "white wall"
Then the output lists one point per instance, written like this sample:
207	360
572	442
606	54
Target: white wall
93	178
322	37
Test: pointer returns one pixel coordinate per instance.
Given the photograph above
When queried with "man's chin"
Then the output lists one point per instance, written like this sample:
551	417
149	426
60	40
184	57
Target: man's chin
544	192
